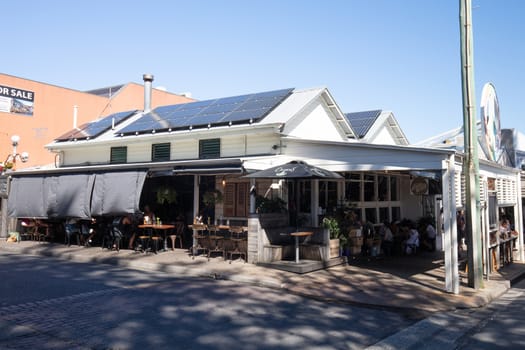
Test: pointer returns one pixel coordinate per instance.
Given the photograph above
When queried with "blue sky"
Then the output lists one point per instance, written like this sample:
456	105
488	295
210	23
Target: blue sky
398	55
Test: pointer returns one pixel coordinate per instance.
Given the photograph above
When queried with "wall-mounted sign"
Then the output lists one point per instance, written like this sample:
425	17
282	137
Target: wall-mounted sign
18	101
419	186
490	122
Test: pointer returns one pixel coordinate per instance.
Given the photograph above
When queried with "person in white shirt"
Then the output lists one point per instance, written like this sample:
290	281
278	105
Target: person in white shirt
431	237
412	243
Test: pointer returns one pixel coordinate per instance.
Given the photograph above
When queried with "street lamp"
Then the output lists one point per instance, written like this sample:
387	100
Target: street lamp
10	161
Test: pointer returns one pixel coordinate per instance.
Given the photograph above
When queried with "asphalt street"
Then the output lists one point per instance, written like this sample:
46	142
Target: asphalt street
49	303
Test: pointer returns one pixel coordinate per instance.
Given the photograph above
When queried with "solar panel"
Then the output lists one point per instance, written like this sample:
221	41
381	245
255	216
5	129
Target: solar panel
361	122
97	127
238	109
145	122
204	120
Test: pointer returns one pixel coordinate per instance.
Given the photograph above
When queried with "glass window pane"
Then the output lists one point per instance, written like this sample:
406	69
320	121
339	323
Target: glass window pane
369	188
332	195
304	196
394	191
371	215
383	215
322	194
396	214
382	188
353	188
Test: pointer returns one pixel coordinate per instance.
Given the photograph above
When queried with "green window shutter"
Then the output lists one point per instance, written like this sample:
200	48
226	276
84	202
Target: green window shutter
118	155
160	152
210	148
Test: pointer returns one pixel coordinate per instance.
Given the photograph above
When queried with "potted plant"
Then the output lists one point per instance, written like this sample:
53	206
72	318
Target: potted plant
166	195
209	198
332	225
269	205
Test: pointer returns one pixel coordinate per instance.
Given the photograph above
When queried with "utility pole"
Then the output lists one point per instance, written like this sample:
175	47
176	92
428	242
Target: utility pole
471	163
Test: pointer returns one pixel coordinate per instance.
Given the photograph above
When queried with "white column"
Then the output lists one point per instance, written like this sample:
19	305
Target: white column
518	216
450	228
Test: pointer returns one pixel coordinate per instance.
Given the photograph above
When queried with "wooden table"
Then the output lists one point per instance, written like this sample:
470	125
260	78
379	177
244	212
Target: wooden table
297	235
161	227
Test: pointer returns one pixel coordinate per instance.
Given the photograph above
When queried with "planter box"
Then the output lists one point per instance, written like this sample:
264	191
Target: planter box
334	246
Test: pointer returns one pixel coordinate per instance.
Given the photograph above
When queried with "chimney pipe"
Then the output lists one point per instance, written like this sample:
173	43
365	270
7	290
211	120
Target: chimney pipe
148	78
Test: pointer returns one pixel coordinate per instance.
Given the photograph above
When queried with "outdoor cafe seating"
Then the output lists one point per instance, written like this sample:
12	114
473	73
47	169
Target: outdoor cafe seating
230	241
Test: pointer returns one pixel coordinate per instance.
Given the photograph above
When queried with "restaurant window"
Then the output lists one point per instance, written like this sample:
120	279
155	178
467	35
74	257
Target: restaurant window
328	195
353	187
160	152
305	198
209	148
394	189
118	155
369	186
371	215
383	214
396	214
382	188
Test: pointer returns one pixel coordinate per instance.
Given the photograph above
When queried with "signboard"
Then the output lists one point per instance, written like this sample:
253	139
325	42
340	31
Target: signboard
17	101
419	186
490	122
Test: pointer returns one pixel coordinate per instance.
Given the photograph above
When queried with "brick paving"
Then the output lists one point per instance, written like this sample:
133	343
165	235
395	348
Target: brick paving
414	284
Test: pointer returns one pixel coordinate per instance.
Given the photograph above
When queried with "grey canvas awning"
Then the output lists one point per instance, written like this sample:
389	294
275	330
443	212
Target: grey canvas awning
26	197
117	193
79	195
69	195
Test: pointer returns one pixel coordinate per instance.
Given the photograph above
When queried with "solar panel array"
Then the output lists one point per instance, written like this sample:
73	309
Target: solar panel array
95	128
215	112
361	122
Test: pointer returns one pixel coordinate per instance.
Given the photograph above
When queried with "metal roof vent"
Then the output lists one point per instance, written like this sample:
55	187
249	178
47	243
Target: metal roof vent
148	79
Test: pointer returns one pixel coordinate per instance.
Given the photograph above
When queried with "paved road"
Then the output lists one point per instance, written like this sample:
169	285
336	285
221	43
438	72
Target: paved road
53	304
499	325
504	324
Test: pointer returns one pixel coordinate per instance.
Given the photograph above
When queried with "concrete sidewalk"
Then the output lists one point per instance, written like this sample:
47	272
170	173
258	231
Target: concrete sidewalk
410	284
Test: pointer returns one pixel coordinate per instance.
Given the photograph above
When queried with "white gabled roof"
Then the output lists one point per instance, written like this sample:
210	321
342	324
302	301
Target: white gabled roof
311	113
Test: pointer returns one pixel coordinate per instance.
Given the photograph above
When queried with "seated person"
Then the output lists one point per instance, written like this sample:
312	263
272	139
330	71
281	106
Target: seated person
120	229
44	226
149	216
412	242
87	230
71	228
387	239
430	238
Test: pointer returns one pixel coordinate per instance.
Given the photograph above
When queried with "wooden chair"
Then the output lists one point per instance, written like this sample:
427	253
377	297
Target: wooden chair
200	239
179	232
28	228
240	243
215	241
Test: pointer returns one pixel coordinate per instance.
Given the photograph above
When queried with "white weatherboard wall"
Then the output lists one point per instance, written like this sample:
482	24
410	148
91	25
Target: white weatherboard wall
384	137
94	155
314	122
184	149
262	143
